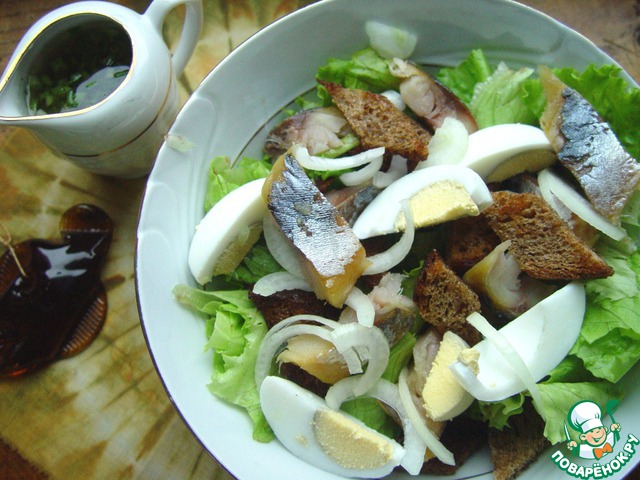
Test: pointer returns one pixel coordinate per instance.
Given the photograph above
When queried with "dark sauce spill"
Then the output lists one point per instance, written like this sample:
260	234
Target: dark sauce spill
59	305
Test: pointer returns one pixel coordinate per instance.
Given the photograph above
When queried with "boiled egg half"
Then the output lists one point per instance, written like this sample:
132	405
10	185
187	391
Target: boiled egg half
323	437
495	153
227	232
542	337
435	195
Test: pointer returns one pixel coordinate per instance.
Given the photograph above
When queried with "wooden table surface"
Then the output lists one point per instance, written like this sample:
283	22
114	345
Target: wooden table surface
104	413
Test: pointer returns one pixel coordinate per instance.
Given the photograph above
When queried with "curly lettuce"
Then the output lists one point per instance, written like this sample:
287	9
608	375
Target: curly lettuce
225	177
234	329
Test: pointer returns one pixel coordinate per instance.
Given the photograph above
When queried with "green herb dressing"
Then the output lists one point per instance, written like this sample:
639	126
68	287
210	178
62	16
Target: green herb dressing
79	68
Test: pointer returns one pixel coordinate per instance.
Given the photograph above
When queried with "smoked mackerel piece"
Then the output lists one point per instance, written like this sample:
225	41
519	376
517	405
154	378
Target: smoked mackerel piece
588	148
331	255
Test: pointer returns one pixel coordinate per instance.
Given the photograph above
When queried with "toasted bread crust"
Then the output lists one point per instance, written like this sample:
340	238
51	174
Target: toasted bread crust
444	300
287	303
469	240
378	123
543	245
463	436
515	448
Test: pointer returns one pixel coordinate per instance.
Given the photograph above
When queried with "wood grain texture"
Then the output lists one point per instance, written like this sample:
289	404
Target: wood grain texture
104	413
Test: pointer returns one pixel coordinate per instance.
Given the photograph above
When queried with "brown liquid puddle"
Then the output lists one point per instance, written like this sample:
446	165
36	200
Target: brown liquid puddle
59	306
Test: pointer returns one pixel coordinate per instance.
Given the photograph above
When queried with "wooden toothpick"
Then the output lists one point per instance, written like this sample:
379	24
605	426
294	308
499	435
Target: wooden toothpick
7	241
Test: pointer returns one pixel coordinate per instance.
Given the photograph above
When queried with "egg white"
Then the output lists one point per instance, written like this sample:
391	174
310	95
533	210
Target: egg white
291	412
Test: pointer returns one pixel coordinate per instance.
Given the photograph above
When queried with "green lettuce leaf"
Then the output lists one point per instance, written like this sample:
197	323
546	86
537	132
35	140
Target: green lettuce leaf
369	411
499	99
256	264
611	356
365	70
399	357
461	80
497	414
235	329
558	398
570	370
609	341
224	178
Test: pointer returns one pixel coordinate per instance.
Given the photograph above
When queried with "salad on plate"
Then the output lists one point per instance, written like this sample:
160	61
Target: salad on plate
425	260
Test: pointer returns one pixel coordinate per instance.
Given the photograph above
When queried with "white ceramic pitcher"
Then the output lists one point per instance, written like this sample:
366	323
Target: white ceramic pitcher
120	134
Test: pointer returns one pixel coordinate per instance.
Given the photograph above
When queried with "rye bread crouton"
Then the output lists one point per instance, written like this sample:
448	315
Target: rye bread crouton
378	123
463	436
444	300
515	447
469	240
287	303
543	245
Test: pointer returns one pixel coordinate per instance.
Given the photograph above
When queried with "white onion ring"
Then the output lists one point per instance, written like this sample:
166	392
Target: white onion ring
448	145
358	177
550	183
388	259
394	97
286	329
363	306
279	281
312	162
271	343
355	336
397	168
433	443
387	393
510	354
280	247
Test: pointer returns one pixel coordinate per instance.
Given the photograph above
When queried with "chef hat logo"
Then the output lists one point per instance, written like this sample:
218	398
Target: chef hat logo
585	416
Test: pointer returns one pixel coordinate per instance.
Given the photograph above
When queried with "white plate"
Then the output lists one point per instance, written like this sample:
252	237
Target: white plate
238	97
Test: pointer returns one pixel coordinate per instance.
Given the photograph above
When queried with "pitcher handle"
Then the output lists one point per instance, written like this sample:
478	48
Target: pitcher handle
156	13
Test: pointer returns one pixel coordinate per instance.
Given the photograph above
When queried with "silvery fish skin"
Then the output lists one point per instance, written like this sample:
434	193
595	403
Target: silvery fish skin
588	148
351	201
333	257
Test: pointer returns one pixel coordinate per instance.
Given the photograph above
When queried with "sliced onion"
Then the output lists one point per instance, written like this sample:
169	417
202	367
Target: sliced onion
312	162
288	328
389	41
433	443
397	168
280	247
394	97
363	175
363	306
551	183
502	345
272	343
448	145
279	281
387	393
388	259
373	342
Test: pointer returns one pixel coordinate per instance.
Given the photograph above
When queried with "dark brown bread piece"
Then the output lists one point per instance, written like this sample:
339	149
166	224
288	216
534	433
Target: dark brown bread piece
469	240
444	300
463	436
378	123
293	372
287	303
543	245
516	447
